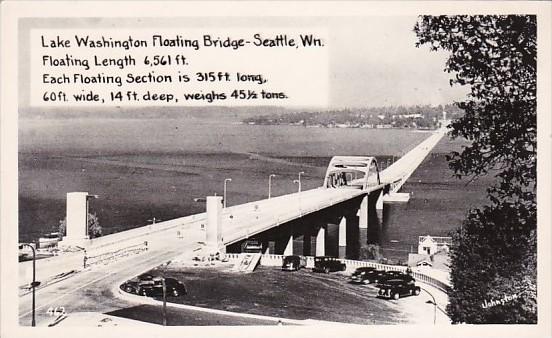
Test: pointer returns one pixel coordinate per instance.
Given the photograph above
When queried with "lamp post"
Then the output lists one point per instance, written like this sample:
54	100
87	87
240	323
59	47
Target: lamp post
226	180
270	184
434	304
34	283
164	301
299	181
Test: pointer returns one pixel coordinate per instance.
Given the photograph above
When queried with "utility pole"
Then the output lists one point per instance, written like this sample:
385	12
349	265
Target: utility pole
270	184
164	301
34	283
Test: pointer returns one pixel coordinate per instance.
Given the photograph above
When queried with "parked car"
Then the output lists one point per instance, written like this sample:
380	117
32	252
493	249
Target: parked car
396	288
173	287
148	285
328	264
293	263
252	246
137	284
361	275
368	276
395	275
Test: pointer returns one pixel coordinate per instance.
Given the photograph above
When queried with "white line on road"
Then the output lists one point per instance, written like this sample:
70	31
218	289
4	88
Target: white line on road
66	294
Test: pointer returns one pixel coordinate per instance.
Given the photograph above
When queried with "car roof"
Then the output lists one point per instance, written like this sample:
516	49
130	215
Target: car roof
395	281
145	276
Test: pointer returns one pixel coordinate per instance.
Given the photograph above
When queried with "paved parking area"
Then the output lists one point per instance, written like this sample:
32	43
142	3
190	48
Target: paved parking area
296	295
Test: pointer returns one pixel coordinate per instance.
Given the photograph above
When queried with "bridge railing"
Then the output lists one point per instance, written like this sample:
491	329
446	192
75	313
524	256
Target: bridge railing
114	239
109	257
277	260
267	221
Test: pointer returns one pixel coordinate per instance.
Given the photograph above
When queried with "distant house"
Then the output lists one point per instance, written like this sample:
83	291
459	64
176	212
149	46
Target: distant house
429	245
432	252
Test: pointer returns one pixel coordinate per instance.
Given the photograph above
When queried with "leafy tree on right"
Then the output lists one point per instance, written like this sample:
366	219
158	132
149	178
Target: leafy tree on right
493	262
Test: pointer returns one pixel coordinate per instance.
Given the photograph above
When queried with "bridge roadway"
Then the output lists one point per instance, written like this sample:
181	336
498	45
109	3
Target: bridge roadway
94	288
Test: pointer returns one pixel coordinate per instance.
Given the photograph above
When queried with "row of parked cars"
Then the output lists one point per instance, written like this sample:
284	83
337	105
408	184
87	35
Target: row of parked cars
390	284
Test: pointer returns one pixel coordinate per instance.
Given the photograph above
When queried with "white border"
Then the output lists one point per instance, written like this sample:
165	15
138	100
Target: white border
12	11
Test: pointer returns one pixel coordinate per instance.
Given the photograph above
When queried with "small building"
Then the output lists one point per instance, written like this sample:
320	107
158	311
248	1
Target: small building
432	252
429	245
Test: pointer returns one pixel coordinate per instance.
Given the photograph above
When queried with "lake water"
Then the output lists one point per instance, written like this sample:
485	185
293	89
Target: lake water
155	168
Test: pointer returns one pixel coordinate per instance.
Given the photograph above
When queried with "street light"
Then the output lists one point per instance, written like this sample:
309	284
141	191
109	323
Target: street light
226	180
164	301
164	285
434	304
299	180
270	184
34	284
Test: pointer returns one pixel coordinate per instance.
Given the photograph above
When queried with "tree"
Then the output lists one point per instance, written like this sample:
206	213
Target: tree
494	254
94	227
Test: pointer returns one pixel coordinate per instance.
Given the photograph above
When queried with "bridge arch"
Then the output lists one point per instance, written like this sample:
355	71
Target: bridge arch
360	172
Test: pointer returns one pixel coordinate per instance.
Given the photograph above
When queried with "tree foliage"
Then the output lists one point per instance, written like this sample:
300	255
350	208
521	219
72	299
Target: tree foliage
495	254
94	227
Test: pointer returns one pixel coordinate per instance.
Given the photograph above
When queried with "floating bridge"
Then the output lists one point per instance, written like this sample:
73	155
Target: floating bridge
353	187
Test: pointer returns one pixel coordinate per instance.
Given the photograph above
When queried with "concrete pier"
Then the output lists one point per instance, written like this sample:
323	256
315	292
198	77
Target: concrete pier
363	213
77	217
288	251
213	233
342	240
321	242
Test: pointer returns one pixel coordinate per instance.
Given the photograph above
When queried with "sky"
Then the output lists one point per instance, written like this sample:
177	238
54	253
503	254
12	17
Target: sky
373	60
375	63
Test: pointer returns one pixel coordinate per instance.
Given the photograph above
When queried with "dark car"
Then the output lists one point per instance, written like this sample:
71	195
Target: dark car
173	287
395	275
396	288
293	263
138	284
328	264
369	276
361	275
148	285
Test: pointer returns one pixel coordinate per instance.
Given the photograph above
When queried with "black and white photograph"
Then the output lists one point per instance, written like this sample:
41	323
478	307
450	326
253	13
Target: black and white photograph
297	168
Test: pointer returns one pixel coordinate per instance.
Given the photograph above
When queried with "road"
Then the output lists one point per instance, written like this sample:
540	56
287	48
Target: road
92	289
238	222
95	290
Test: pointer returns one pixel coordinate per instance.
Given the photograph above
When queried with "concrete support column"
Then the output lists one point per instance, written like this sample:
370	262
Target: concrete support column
363	213
321	242
213	232
77	217
379	203
353	232
288	251
342	240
